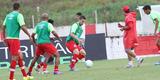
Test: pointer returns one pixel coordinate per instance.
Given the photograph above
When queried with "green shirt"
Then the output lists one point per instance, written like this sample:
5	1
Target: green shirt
43	30
13	22
155	15
77	30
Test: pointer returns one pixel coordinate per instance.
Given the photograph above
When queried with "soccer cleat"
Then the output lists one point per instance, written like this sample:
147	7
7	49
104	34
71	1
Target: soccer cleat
157	63
11	79
140	61
37	70
71	68
26	78
45	72
30	77
130	66
57	72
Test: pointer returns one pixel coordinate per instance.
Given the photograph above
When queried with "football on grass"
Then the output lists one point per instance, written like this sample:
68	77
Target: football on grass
88	63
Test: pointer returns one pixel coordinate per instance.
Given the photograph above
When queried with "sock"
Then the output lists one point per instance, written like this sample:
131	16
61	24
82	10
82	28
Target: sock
30	69
158	47
40	65
12	69
74	60
130	62
56	68
20	63
44	67
80	56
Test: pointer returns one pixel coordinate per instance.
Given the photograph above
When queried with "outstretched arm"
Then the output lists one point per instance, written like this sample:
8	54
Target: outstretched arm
56	35
156	25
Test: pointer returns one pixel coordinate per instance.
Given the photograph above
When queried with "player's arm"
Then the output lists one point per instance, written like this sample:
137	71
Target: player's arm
56	35
156	25
3	29
33	37
3	32
52	30
125	27
21	22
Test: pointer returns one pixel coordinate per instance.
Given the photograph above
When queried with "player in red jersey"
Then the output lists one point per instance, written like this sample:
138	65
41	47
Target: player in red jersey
130	36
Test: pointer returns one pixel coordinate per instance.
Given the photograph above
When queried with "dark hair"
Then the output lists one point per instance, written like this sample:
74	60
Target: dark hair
16	6
51	21
79	13
82	17
146	7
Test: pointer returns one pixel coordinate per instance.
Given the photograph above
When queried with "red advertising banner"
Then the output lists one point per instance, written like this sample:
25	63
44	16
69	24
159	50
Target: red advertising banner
147	45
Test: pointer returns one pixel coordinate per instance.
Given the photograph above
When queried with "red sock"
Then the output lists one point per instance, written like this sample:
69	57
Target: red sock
158	47
40	65
56	68
74	60
20	63
80	56
44	67
12	69
30	69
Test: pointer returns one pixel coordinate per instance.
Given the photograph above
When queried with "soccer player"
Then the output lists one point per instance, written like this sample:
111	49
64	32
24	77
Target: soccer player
43	59
77	17
130	36
12	24
74	42
43	43
155	16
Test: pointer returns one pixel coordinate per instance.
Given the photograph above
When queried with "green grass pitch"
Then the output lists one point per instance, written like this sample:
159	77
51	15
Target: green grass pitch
101	70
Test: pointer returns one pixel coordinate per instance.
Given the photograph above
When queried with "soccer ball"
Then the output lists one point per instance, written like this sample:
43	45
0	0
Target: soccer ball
88	63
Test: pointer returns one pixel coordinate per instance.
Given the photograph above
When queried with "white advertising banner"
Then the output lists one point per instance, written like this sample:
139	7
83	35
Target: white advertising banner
115	48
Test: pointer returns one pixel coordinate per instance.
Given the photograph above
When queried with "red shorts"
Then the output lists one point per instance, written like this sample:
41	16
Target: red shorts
71	45
45	48
13	46
130	43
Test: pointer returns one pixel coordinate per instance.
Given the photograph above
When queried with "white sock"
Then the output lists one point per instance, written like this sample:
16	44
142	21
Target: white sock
130	62
137	58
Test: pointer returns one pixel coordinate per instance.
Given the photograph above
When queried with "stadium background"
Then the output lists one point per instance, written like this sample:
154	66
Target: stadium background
100	28
102	18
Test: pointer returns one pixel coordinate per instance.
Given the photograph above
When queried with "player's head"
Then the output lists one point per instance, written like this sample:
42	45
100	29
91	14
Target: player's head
147	9
16	6
82	20
51	21
126	9
78	14
44	16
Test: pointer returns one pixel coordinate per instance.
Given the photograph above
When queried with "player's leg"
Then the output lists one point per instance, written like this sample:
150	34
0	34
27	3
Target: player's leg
32	65
129	49
158	44
21	65
13	66
133	55
57	60
130	59
82	54
14	51
72	46
43	63
52	51
74	59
